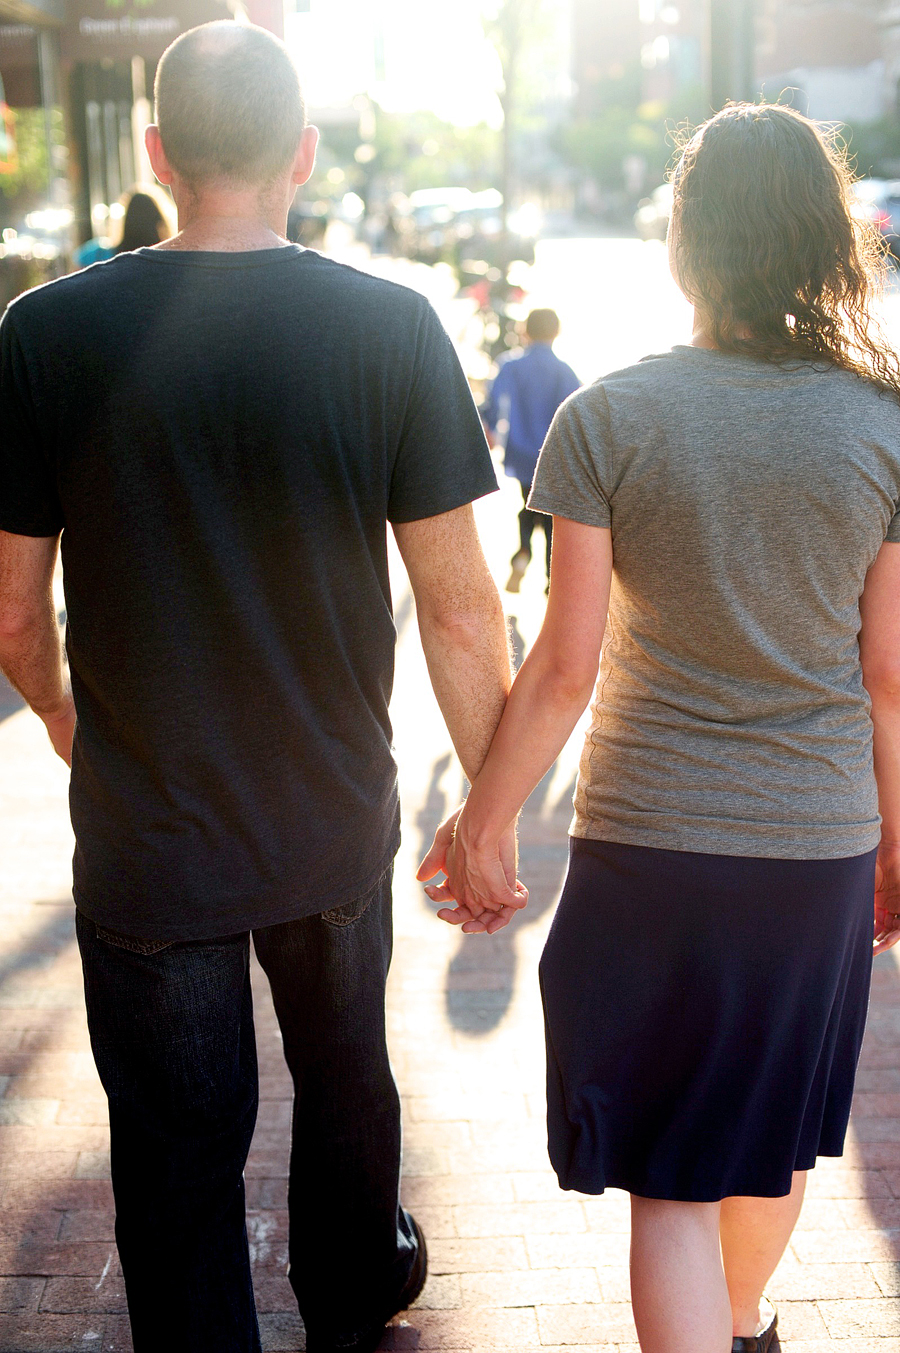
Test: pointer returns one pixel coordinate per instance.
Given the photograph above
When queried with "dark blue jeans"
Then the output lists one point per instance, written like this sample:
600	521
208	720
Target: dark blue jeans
172	1034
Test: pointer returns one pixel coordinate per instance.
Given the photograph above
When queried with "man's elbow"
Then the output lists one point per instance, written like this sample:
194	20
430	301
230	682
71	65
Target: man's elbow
16	622
465	627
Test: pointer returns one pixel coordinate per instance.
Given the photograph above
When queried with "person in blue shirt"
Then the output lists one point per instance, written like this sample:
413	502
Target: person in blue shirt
525	394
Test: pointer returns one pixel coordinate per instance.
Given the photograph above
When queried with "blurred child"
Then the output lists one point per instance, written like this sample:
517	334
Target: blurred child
526	392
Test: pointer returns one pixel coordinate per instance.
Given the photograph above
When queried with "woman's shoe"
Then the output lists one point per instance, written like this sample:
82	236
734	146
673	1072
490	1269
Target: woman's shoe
758	1343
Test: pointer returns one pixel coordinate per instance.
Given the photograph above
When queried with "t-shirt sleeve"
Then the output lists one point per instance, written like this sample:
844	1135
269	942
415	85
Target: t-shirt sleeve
442	459
569	479
893	531
29	504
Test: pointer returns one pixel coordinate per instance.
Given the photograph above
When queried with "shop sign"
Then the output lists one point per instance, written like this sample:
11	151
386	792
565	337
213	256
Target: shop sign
20	65
118	30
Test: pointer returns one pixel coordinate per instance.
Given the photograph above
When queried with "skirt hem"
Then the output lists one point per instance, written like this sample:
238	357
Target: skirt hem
645	1189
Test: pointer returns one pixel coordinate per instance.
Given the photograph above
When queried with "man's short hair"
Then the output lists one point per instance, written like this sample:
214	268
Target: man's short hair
542	326
228	104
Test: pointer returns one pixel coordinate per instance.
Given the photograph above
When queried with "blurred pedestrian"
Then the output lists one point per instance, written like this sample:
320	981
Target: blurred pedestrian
736	502
222	426
529	387
95	250
146	221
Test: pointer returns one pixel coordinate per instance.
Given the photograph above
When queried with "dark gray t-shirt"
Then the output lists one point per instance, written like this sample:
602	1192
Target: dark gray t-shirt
747	502
222	439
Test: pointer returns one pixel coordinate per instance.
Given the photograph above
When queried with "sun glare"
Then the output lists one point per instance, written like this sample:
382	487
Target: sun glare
407	55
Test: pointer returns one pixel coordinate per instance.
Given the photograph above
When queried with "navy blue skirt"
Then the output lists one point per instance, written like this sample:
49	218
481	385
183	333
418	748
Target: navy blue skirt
704	1016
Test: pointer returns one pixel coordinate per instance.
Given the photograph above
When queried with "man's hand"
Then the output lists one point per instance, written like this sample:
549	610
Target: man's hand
887	899
61	730
486	880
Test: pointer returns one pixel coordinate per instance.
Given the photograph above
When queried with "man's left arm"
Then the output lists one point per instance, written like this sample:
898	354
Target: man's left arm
30	649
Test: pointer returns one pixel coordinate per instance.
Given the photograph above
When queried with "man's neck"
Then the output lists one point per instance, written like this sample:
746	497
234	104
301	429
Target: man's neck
228	222
224	237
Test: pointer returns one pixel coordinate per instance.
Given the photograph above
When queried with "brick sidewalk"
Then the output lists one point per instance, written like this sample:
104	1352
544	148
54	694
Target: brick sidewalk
514	1262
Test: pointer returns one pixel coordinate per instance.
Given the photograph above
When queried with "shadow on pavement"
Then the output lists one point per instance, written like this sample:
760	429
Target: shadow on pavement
59	1263
481	977
10	701
874	1143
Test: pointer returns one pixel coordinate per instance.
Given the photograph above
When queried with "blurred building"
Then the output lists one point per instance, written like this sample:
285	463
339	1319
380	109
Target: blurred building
110	49
658	45
605	46
838	60
841	58
29	62
83	71
674	41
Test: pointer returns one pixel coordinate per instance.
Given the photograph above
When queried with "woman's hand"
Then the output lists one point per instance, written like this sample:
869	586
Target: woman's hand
887	898
476	847
482	883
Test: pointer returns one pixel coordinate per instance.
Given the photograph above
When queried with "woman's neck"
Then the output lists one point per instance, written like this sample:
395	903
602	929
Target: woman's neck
700	334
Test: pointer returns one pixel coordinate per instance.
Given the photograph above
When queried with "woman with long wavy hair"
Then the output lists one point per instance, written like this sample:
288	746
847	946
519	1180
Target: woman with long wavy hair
728	513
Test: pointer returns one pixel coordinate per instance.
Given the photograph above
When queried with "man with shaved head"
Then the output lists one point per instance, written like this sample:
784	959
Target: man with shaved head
220	428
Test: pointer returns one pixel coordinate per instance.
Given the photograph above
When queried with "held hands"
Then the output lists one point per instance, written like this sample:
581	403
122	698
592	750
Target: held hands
887	898
480	880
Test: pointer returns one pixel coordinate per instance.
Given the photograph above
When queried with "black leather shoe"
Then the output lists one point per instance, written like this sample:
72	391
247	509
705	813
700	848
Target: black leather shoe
371	1338
758	1343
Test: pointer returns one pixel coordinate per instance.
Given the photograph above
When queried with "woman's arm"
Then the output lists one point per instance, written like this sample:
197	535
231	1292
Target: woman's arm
548	696
879	649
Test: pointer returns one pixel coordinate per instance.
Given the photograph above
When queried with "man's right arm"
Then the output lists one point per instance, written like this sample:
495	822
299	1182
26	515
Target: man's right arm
466	646
462	627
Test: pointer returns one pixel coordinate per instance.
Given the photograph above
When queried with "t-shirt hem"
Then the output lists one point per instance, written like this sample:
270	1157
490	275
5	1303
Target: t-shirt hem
449	504
553	506
236	915
32	527
774	842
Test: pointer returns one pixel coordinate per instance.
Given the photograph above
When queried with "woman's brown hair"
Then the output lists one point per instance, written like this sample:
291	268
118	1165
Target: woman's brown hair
767	245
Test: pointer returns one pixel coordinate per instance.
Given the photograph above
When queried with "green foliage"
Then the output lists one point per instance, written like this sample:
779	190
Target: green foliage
411	150
31	175
426	152
622	126
598	145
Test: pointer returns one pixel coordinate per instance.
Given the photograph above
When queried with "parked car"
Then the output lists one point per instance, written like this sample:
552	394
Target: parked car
433	213
879	201
459	226
481	238
651	220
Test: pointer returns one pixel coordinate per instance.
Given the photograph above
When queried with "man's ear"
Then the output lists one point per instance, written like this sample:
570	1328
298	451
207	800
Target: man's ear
305	159
158	162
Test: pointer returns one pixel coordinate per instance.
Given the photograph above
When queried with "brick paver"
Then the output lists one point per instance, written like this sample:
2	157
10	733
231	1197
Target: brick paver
515	1263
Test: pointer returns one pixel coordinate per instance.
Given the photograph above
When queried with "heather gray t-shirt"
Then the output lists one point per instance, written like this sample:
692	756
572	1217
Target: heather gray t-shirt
746	503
